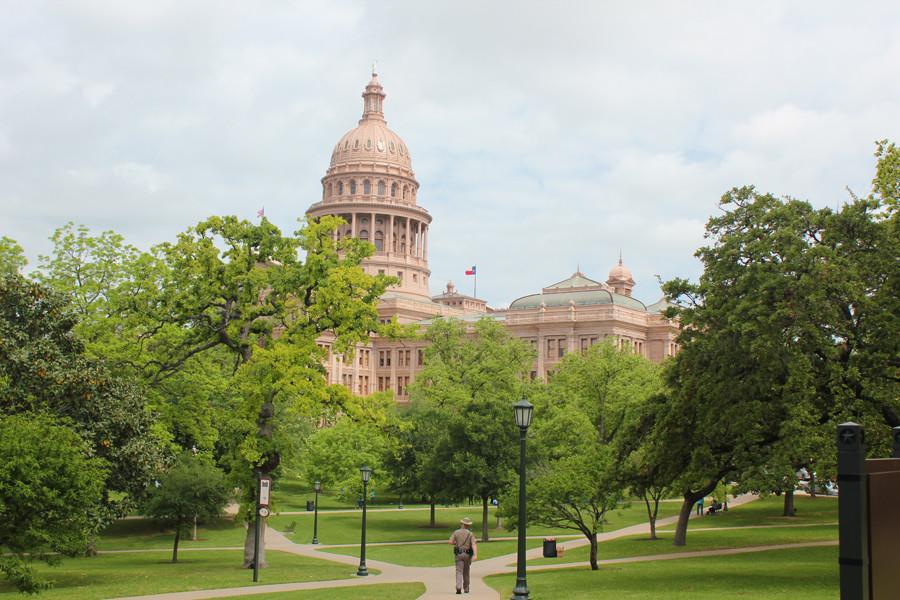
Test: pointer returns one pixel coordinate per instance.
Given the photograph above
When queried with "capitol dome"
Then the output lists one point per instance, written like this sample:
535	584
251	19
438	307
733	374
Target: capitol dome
620	279
372	140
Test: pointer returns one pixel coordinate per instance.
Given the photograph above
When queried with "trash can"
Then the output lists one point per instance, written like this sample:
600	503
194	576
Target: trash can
310	505
549	547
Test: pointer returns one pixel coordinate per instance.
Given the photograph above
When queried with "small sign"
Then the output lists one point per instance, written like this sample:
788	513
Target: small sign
264	512
265	486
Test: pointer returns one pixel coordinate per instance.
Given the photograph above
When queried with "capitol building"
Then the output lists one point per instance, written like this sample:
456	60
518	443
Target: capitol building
370	183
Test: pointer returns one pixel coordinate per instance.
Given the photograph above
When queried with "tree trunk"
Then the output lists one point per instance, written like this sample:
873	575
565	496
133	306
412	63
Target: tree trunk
788	503
651	514
484	519
432	525
690	498
594	565
250	542
177	537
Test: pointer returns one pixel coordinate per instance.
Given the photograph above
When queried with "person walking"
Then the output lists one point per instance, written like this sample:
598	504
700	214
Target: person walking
466	550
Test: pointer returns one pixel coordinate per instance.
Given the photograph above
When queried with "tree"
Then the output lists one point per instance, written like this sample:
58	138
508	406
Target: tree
578	471
796	313
191	489
44	369
12	257
50	494
473	381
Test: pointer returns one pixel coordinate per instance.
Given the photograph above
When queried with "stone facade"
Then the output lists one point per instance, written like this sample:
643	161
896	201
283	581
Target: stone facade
371	185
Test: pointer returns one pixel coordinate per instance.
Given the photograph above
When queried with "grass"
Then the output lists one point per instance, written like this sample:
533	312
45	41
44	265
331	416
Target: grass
796	574
767	511
132	574
641	545
141	534
429	555
412	525
384	591
291	495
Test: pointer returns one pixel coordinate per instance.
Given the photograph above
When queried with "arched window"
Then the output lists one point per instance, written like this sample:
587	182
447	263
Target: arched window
330	190
340	188
393	190
381	188
364	235
403	243
379	241
405	189
352	187
367	187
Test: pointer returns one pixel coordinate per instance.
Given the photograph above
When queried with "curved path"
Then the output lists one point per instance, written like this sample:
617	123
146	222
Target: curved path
439	581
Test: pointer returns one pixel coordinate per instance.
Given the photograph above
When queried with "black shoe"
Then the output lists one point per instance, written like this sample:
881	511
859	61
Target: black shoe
458	591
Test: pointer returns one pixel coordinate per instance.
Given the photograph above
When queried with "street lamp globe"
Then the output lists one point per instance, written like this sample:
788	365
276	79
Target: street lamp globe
317	485
523	410
366	473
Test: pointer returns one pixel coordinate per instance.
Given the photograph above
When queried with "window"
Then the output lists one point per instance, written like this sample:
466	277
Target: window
381	188
384	358
405	189
364	235
353	187
381	271
393	185
367	187
415	278
331	189
379	242
340	188
421	356
400	276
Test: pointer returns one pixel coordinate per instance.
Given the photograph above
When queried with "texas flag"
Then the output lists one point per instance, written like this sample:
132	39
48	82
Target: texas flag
471	271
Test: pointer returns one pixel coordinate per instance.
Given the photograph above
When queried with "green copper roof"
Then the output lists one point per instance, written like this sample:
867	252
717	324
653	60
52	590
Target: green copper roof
580	298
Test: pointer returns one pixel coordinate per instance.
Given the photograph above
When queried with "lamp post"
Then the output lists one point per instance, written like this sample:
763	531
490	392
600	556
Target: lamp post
318	486
523	409
363	571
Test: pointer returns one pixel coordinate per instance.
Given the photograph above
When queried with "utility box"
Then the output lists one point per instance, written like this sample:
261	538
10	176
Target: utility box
310	506
884	526
549	547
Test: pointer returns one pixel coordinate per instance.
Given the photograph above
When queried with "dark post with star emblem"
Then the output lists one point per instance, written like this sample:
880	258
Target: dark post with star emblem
896	432
853	553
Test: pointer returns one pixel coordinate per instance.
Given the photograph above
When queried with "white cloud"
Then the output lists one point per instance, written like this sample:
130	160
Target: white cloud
544	135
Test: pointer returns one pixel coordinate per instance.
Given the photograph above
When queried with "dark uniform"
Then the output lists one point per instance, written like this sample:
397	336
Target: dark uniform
464	548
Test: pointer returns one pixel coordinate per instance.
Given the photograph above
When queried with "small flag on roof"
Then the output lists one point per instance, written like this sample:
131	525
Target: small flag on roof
471	271
261	212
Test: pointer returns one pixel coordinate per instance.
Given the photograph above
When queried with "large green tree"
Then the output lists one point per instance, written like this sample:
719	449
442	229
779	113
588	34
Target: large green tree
43	368
578	473
50	494
12	256
796	313
472	378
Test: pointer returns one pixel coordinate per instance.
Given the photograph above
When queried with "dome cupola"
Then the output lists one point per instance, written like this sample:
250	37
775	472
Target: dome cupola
620	279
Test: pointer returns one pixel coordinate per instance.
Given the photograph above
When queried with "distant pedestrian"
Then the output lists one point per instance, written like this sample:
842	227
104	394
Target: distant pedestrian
700	507
465	550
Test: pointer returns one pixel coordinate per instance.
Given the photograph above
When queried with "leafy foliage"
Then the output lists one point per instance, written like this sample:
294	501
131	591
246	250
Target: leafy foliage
50	494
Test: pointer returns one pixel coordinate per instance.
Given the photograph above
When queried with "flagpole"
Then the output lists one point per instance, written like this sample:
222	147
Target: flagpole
475	292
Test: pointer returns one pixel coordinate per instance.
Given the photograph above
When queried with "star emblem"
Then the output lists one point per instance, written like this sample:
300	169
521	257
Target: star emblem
848	436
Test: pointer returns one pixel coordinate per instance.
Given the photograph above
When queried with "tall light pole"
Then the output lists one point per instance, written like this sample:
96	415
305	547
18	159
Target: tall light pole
363	571
318	486
523	409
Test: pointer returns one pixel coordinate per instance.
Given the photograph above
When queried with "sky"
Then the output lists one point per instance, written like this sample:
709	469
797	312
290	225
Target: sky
545	136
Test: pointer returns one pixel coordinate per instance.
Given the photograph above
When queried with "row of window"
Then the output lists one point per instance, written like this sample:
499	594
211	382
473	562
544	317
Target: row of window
556	347
404	357
384	384
352	188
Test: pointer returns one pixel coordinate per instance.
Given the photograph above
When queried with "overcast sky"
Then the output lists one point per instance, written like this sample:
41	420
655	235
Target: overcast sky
544	135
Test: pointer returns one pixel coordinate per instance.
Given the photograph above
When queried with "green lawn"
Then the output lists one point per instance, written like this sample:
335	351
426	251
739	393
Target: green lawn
796	574
412	525
291	495
385	591
133	574
137	534
699	540
767	511
429	555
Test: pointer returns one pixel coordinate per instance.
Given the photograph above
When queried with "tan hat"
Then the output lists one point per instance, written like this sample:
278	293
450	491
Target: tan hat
466	521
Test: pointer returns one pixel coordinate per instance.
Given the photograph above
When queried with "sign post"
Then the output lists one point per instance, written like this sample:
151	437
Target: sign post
852	512
263	490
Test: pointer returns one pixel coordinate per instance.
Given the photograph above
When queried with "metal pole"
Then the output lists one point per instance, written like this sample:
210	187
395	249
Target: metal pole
521	590
256	533
363	571
852	519
316	520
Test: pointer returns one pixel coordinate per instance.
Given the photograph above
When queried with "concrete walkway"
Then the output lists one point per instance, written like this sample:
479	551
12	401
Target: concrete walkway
439	582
